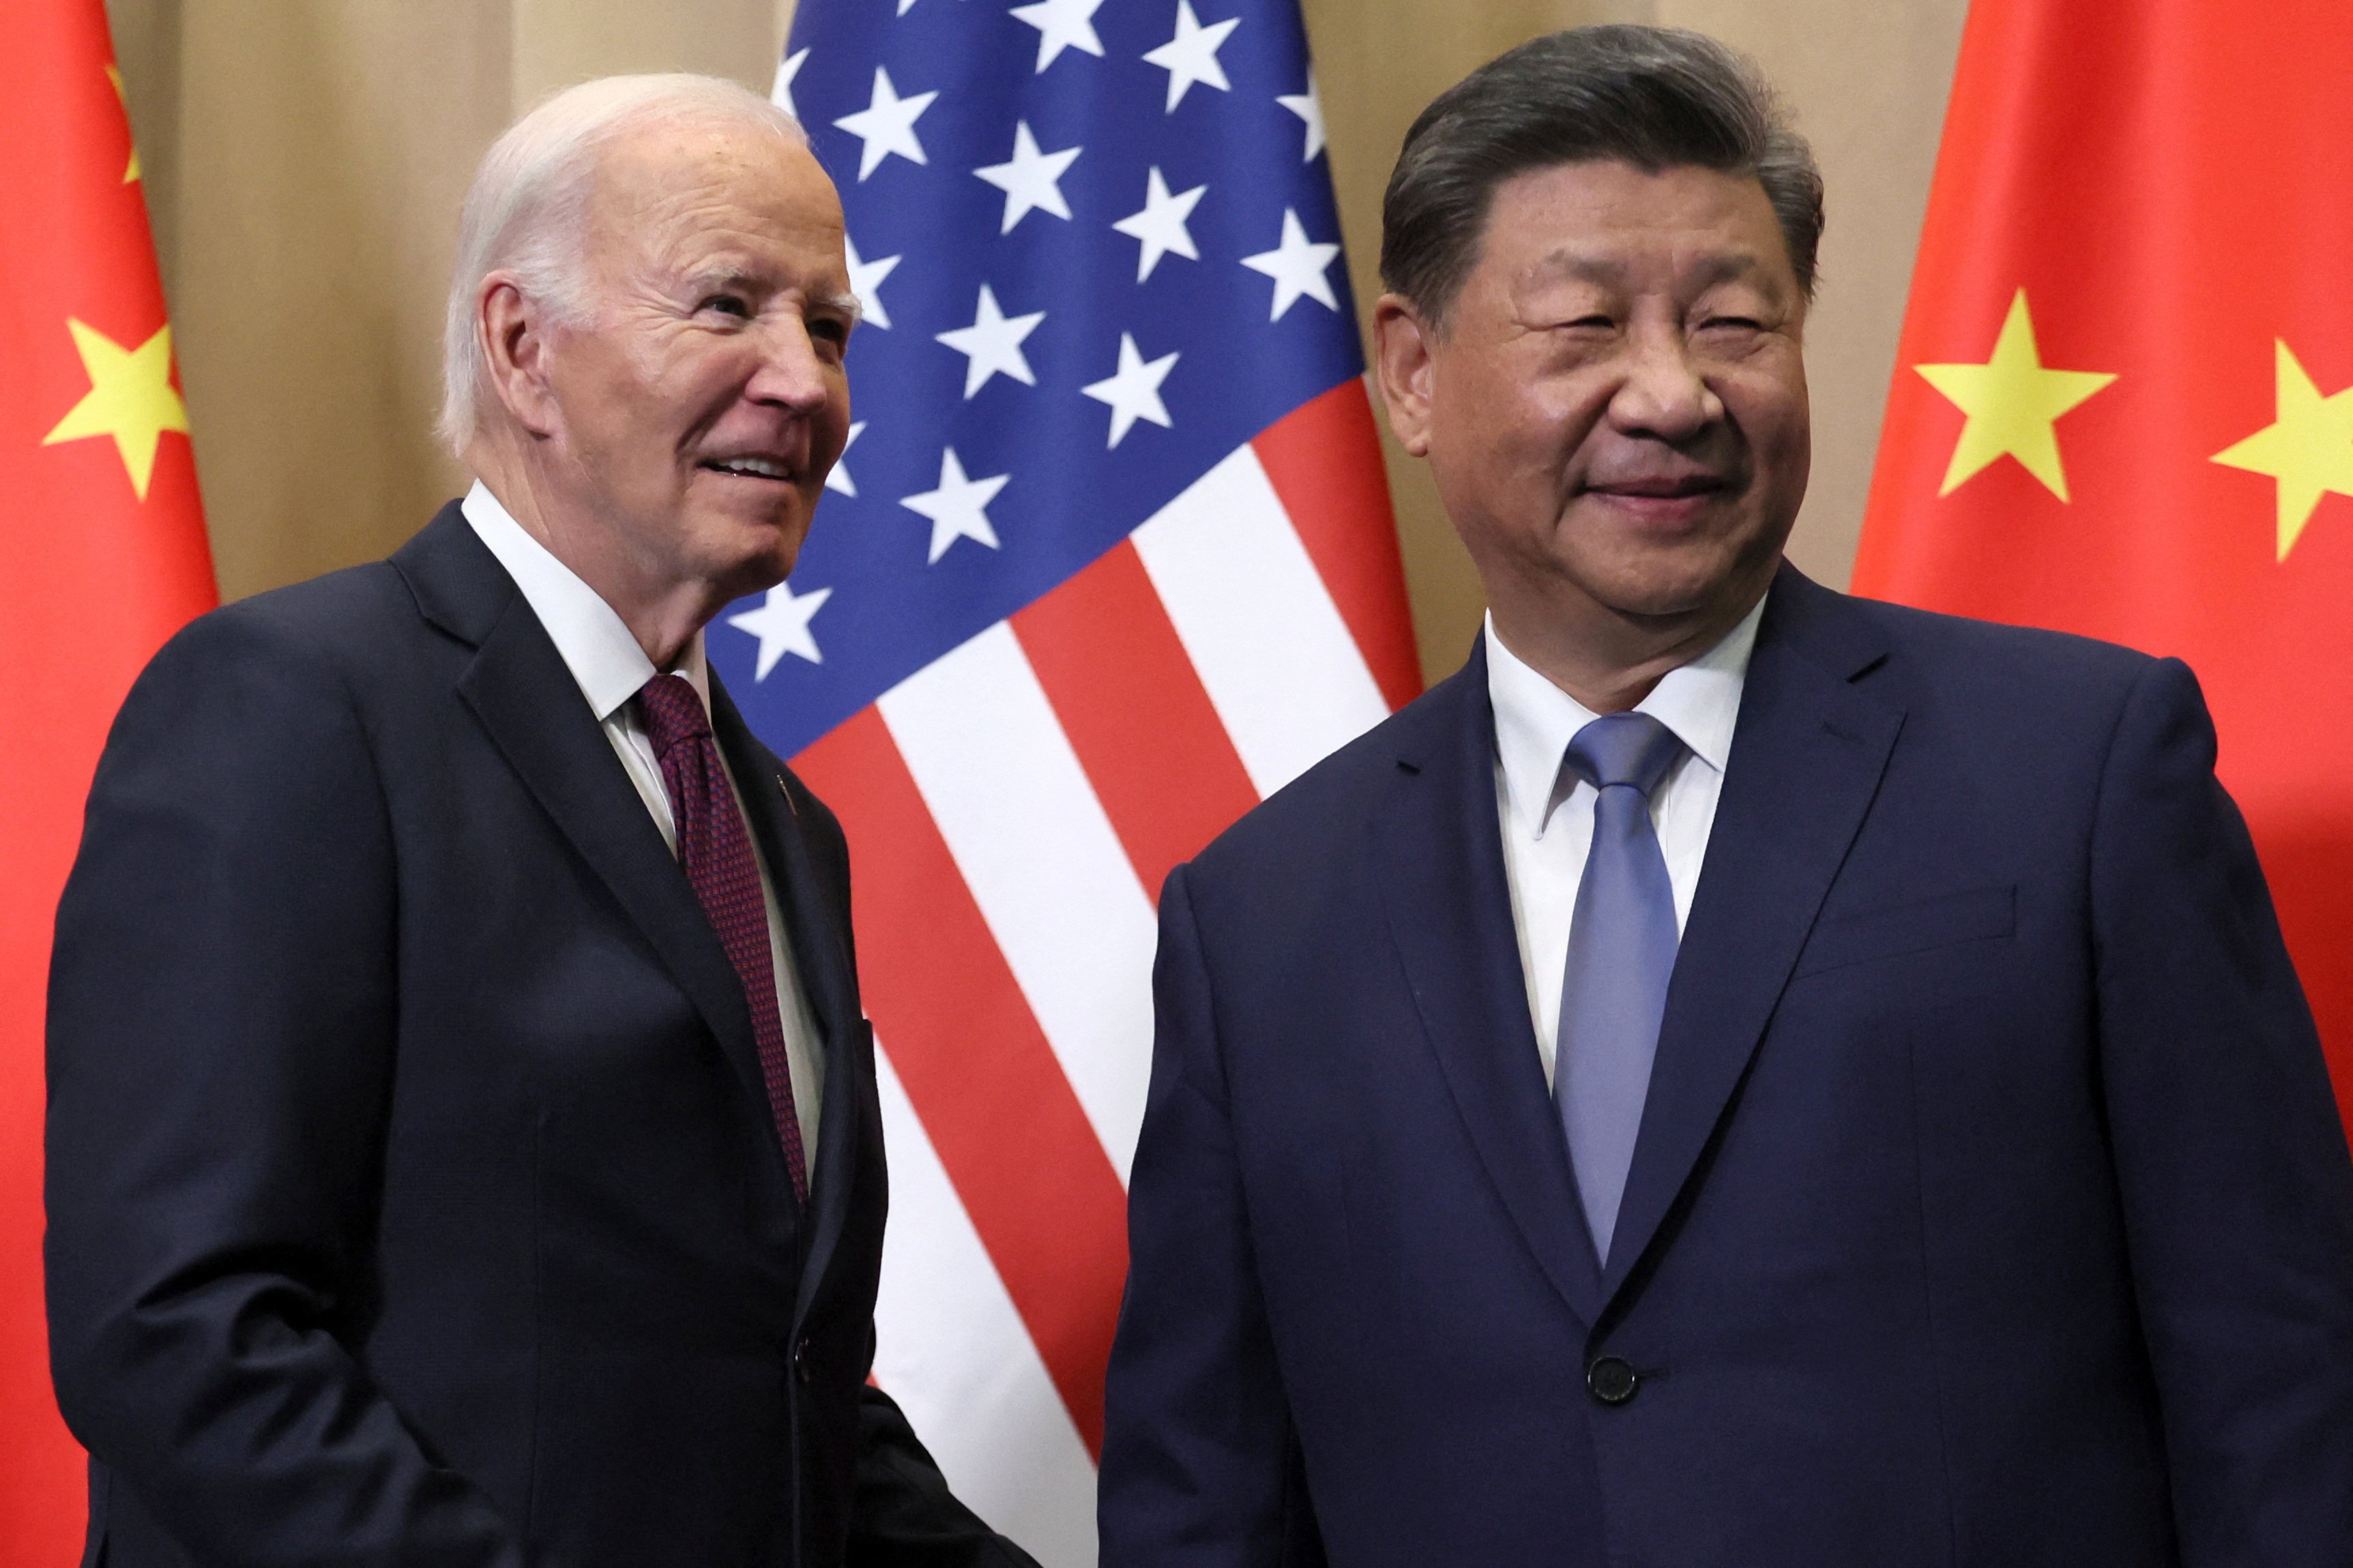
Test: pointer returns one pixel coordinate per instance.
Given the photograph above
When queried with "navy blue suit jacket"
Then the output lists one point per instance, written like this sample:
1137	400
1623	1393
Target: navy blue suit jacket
413	1192
1990	1206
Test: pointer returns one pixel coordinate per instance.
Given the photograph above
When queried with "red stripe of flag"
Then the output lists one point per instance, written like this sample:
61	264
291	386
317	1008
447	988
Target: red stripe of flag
1024	1159
1136	712
1324	459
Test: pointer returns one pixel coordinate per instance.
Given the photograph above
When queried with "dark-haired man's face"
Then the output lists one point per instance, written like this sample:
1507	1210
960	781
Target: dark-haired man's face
1614	407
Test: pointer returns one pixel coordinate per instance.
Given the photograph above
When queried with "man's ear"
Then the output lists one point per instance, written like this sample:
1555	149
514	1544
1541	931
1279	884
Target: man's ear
511	330
1401	344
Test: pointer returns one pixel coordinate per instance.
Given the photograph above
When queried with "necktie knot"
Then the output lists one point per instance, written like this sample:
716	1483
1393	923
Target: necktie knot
674	712
1624	749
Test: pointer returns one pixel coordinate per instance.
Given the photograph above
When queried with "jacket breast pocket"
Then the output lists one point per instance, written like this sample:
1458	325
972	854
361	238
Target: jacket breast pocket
1946	920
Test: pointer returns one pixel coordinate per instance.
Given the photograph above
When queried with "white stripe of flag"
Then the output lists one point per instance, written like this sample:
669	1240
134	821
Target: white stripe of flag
950	1348
1059	892
1286	677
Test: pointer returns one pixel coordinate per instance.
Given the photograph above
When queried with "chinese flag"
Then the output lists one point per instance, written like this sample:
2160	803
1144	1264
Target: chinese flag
105	557
2121	401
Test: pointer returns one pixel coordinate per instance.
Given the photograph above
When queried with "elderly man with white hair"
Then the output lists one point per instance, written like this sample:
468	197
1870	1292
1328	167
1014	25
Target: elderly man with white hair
462	1145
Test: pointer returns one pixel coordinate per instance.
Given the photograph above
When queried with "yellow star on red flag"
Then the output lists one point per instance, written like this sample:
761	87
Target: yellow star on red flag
131	398
2013	404
2307	447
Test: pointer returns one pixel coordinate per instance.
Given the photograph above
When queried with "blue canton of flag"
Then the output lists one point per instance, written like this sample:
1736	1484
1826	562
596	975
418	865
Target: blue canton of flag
1096	249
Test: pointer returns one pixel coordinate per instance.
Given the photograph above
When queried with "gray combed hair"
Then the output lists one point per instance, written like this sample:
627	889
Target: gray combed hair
1651	97
526	212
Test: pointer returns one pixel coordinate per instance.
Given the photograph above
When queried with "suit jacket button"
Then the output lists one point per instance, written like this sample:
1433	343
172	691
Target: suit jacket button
801	1362
1611	1380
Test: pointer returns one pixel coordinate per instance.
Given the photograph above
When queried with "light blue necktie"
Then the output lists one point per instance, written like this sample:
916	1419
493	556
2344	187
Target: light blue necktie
1621	953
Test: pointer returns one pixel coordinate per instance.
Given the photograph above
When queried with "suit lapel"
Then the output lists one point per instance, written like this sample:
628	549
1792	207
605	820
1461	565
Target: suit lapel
1806	762
1438	850
822	967
525	695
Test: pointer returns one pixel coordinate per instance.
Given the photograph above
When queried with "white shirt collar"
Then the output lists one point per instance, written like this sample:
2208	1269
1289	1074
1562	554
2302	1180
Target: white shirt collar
1534	720
596	643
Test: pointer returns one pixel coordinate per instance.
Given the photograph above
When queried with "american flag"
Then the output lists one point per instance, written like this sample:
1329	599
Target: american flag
1108	559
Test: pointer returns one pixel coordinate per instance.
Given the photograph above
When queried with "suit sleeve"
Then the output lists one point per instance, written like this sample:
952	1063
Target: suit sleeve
1200	1462
2236	1184
220	1053
903	1515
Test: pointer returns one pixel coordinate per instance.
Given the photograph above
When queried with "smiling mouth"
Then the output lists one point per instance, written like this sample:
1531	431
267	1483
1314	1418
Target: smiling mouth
750	467
1689	488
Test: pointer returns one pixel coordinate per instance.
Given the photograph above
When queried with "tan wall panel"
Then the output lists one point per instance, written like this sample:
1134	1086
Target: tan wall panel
147	52
325	147
560	42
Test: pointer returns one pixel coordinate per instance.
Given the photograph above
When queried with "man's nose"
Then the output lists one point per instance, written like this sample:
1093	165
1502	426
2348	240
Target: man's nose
1663	394
792	373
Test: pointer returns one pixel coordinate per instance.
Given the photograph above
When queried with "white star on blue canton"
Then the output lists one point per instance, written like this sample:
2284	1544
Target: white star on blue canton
992	344
1134	390
781	94
866	282
1310	110
958	508
782	625
1031	180
1192	55
1160	228
887	125
1297	268
838	478
1038	160
1062	24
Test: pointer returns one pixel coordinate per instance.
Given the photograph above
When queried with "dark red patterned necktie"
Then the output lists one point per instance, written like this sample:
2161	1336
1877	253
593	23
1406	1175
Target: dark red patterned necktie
716	850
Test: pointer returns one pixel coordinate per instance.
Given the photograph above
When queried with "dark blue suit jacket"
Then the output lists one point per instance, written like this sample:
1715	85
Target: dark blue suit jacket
1990	1206
413	1194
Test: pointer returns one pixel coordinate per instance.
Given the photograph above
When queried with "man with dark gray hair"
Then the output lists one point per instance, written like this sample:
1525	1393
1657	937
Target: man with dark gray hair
1738	1075
463	1149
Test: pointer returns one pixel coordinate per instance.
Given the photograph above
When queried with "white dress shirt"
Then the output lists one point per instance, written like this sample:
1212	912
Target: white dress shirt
1547	811
604	659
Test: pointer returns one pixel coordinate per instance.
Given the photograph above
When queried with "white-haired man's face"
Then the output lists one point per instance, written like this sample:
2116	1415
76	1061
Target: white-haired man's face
691	417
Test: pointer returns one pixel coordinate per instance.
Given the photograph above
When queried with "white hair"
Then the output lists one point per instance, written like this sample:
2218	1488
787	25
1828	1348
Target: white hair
525	212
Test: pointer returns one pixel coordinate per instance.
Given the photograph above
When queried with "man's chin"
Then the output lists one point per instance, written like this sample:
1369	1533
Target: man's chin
739	573
756	575
1676	587
1702	570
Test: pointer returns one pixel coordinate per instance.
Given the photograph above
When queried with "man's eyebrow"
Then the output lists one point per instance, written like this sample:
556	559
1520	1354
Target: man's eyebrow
1726	266
847	304
1584	269
1719	267
722	277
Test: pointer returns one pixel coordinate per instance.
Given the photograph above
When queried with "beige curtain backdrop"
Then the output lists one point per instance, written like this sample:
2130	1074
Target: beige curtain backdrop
305	159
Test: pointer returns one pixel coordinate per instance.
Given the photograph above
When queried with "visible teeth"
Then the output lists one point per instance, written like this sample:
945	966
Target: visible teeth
761	465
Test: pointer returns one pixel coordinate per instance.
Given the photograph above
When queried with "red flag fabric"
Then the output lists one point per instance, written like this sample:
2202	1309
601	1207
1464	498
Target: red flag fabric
2121	401
106	556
